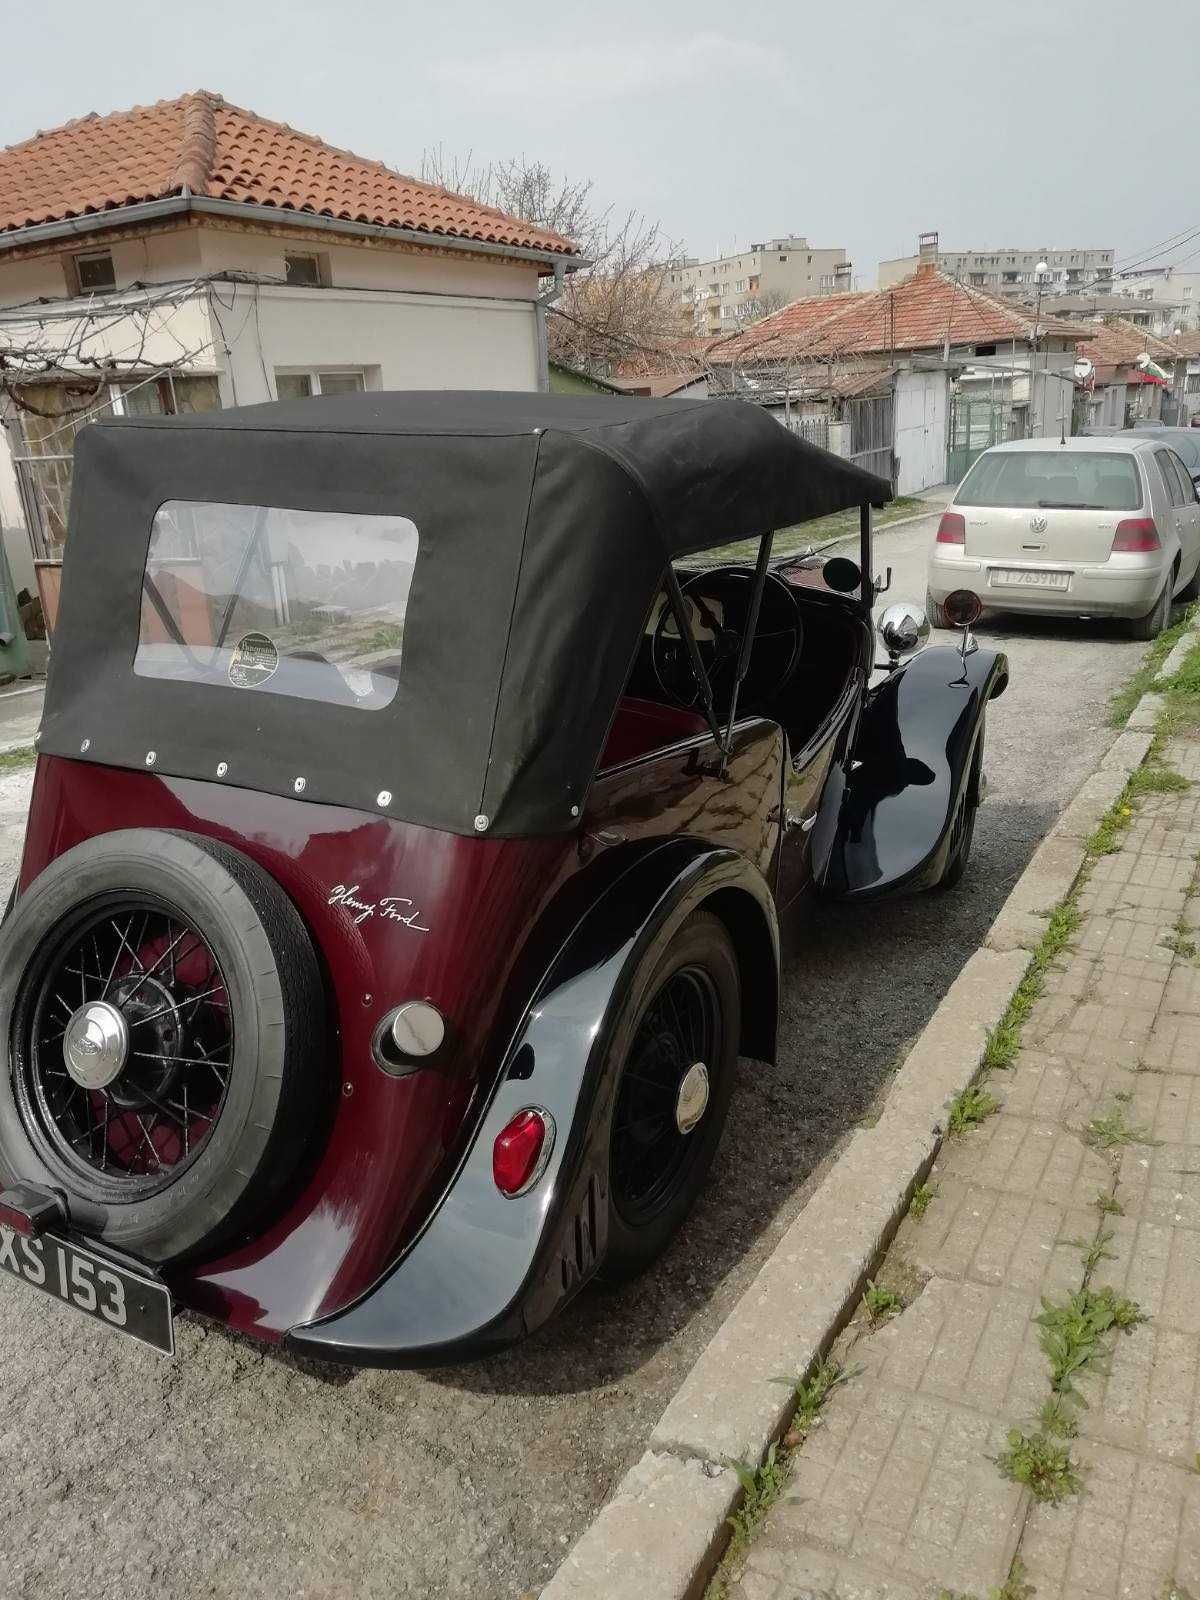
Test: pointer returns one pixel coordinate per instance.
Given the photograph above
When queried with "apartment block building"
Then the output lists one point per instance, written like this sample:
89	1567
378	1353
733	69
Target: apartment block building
724	294
1171	296
1008	270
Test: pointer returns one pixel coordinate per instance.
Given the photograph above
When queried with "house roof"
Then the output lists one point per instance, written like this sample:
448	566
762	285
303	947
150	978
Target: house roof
1117	343
924	312
201	145
658	385
1185	344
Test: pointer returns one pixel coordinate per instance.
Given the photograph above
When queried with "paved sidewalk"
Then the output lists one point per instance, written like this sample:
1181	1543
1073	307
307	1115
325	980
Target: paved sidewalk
1092	1158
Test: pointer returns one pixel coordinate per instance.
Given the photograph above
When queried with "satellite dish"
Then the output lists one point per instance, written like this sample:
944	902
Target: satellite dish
1084	370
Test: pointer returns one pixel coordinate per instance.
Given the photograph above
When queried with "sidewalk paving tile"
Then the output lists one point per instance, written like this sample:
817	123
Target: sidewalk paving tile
895	1495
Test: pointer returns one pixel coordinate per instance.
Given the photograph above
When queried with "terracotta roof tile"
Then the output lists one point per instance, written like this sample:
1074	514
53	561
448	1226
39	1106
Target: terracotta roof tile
921	313
1117	343
1185	344
201	143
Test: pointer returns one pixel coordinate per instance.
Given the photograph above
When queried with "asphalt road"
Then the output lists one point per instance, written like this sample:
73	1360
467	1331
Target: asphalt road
233	1473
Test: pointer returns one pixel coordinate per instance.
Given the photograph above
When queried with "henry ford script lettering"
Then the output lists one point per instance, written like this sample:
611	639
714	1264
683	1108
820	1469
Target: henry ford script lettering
392	908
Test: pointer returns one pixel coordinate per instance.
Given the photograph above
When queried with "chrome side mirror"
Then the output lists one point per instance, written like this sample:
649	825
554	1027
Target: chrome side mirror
904	630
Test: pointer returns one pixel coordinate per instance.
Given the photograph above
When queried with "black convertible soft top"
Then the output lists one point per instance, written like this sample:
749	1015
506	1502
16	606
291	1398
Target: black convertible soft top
546	523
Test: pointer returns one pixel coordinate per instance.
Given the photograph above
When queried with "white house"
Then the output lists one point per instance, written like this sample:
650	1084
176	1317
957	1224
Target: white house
189	255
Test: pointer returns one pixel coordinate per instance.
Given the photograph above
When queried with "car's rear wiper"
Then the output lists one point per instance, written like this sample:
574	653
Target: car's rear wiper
1069	505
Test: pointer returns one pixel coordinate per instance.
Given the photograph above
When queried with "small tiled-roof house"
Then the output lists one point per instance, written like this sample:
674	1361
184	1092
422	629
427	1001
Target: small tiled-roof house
192	254
929	370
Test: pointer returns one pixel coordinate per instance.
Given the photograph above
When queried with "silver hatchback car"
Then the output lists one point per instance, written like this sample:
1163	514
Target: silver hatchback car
1090	527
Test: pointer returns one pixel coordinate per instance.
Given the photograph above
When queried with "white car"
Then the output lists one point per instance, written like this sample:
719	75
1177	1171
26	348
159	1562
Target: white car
1106	527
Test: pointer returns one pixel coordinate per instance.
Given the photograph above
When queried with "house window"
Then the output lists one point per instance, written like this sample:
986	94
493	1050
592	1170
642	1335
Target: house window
305	272
94	272
783	258
302	385
42	438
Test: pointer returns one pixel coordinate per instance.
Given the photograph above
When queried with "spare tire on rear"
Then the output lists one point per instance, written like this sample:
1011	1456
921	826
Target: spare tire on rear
163	1009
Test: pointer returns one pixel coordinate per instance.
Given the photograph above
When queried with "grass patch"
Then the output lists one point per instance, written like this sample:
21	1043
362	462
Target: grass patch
880	1303
1180	941
1078	1332
811	1394
1123	702
1042	1465
1146	780
1004	1040
970	1107
922	1195
1014	1587
1114	1129
762	1485
1057	1418
1094	1251
17	758
1108	1205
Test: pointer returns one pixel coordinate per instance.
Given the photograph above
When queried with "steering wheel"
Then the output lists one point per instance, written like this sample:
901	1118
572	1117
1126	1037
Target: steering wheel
718	605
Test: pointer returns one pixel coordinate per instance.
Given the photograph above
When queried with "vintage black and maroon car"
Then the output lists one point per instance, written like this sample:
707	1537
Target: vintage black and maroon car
413	826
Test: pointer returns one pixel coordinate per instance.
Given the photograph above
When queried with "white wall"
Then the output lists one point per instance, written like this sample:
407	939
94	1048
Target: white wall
402	341
921	405
409	319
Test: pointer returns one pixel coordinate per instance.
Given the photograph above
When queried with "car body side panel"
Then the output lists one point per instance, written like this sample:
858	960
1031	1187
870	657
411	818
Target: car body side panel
911	761
487	1270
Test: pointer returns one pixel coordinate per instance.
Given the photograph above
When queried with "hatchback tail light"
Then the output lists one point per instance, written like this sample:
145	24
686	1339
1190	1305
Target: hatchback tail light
1136	533
521	1151
952	529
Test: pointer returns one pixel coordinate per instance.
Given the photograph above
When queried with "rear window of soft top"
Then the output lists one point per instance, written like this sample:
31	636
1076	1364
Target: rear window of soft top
1096	480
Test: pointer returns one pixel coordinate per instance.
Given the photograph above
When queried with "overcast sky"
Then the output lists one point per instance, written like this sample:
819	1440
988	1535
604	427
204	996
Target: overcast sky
854	122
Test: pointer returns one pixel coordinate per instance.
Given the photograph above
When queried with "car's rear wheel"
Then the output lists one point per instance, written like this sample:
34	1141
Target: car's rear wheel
1156	619
164	1012
962	829
677	1042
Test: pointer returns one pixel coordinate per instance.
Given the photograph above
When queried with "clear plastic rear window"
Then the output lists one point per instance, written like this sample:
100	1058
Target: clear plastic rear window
1082	480
268	600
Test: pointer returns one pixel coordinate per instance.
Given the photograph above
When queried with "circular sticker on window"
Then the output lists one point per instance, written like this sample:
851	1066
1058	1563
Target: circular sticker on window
254	660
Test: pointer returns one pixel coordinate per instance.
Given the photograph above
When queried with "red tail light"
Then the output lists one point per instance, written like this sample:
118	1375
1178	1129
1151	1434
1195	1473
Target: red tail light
1136	533
952	529
521	1151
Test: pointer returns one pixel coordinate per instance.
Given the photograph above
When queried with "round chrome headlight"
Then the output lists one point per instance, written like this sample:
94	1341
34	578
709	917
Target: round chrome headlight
904	630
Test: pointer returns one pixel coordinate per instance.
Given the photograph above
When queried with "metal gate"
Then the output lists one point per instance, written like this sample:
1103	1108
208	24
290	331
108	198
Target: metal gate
978	421
872	421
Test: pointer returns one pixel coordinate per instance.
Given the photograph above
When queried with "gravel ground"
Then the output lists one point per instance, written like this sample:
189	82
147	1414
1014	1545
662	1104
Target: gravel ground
233	1473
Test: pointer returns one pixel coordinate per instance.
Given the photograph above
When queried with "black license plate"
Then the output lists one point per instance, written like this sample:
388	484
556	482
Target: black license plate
95	1284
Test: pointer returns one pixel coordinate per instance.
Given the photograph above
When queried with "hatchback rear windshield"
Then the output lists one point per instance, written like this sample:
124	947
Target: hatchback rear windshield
1076	479
304	603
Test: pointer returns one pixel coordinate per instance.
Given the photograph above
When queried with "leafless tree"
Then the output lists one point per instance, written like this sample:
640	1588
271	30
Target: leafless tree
622	306
757	306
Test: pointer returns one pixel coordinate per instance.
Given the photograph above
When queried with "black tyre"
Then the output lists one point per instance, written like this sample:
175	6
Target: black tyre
1156	619
937	617
962	832
1190	590
683	1013
164	1012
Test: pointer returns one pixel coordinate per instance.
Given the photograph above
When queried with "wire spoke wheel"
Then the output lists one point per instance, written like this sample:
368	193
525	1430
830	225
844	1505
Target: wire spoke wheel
663	1094
127	1045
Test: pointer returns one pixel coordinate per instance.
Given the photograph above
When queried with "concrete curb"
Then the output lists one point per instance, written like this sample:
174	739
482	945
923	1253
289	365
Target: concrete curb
662	1533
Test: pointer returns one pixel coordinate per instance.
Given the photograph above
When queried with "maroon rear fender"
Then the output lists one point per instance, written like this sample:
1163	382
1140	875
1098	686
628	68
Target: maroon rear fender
396	912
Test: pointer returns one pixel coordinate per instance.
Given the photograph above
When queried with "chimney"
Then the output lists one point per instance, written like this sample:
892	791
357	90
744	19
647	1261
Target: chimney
843	277
927	251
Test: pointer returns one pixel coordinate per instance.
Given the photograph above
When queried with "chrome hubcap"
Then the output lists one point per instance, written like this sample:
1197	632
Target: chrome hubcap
96	1045
692	1100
